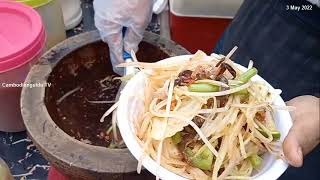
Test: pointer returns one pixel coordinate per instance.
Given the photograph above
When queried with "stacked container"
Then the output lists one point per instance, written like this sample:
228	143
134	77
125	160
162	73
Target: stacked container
52	17
22	40
199	24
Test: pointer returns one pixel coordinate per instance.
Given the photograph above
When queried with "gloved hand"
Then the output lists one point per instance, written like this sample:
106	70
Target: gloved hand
110	18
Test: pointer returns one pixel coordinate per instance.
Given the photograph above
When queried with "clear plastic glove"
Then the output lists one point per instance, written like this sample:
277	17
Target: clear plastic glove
110	18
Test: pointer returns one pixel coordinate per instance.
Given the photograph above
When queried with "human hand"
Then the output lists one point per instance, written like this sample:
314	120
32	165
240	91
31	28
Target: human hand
4	171
110	18
305	132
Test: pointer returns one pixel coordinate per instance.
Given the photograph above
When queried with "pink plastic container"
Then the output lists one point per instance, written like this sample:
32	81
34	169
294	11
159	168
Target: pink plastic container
22	42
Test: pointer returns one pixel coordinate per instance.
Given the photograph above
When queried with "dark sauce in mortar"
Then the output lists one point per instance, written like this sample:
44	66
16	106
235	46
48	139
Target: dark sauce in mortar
82	71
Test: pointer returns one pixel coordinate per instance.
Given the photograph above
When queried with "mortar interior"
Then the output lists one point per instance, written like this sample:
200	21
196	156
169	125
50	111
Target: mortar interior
82	70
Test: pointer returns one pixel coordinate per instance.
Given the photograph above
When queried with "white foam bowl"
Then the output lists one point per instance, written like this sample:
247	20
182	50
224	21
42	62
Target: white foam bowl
130	104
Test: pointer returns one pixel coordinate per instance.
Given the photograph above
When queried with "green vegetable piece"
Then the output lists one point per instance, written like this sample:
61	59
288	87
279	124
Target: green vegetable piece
201	87
189	152
176	139
242	92
275	134
255	161
263	133
244	97
246	76
203	160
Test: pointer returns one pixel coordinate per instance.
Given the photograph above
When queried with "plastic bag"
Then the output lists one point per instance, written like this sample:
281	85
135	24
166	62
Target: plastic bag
110	18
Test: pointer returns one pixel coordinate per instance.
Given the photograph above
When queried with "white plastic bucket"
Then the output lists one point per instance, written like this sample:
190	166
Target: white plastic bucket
72	13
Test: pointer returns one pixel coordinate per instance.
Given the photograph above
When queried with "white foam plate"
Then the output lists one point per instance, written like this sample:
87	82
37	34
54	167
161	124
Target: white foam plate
130	103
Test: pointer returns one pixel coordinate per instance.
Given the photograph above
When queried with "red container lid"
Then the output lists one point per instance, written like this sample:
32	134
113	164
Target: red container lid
22	35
